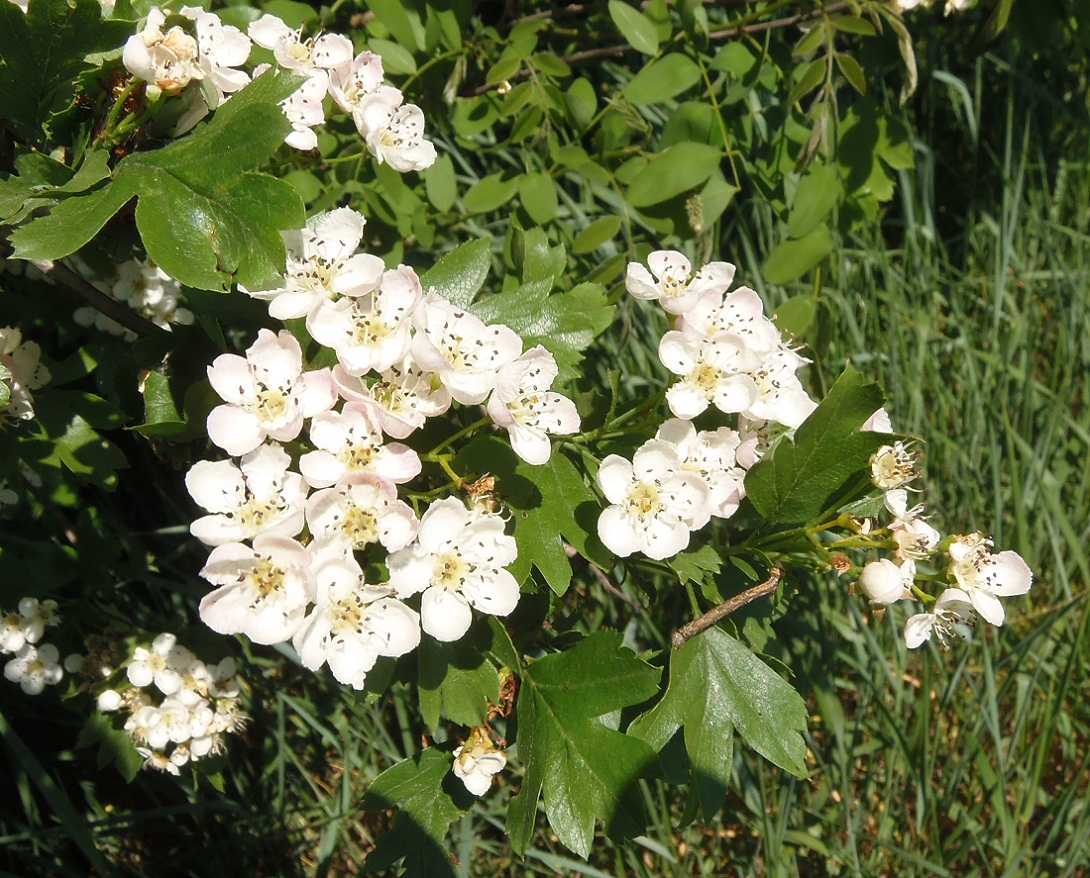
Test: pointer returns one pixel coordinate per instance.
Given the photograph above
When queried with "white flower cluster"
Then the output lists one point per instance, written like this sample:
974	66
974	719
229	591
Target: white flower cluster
727	355
979	577
478	761
178	708
36	664
149	291
21	371
209	55
403	357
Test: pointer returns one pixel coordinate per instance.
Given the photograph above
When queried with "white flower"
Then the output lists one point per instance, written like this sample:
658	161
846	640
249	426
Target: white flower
109	700
740	312
712	456
147	290
395	135
11	632
267	393
986	577
361	509
260	496
892	466
656	504
780	395
885	582
477	761
350	441
465	353
312	58
402	399
669	282
22	360
879	422
222	49
36	616
169	61
35	667
162	665
712	370
457	562
322	266
158	761
262	592
952	609
371	331
358	82
916	539
523	403
352	624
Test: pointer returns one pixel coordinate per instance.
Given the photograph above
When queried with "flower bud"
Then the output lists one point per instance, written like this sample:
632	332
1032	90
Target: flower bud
883	582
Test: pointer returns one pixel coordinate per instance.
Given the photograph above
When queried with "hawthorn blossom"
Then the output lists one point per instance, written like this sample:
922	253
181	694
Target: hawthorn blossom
670	280
458	562
371	332
36	616
322	266
523	403
465	353
713	456
402	399
261	592
312	58
655	503
952	609
350	441
893	466
35	667
359	510
712	370
162	665
352	624
879	422
985	577
915	538
167	61
395	135
780	395
25	372
223	48
740	312
885	582
267	393
258	496
147	290
356	83
477	761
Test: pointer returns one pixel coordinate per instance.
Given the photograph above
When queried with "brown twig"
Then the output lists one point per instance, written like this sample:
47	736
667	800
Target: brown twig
603	580
691	629
93	296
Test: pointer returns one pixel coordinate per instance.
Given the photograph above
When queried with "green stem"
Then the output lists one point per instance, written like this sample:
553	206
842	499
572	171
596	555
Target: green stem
694	604
119	105
450	440
444	461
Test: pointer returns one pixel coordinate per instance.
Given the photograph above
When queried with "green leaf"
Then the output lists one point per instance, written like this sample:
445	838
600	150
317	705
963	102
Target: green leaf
599	232
662	79
396	59
817	193
695	565
852	72
591	769
637	29
538	194
41	53
461	273
798	481
161	415
402	22
564	323
440	183
550	503
716	686
678	169
203	215
428	798
792	258
490	192
853	24
811	78
796	314
582	101
456	682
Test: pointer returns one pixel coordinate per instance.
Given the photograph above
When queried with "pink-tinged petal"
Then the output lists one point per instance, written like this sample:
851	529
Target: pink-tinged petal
616	532
217	485
444	615
988	606
332	50
234	430
1009	572
286	431
615	477
320	469
398	463
319	392
231	378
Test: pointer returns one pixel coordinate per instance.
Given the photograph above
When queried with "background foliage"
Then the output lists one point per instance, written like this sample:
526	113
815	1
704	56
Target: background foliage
939	245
